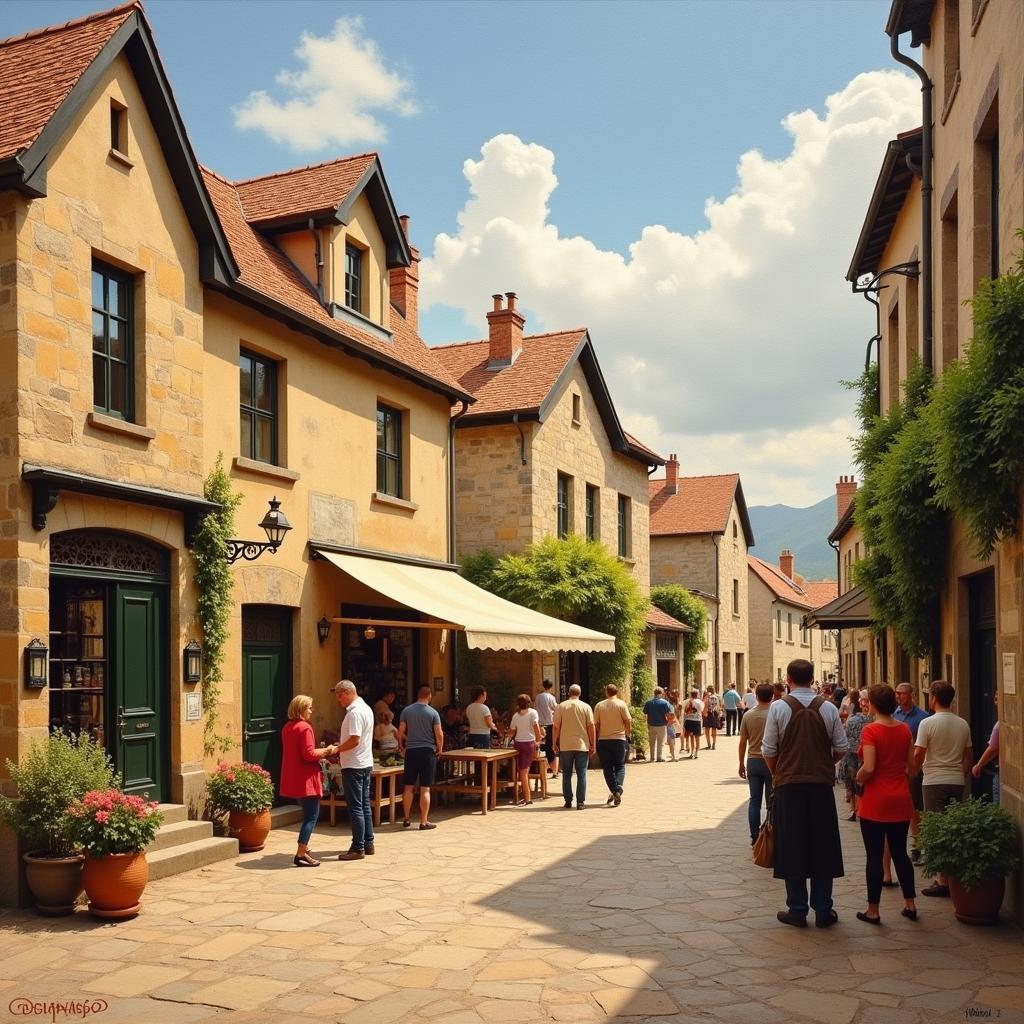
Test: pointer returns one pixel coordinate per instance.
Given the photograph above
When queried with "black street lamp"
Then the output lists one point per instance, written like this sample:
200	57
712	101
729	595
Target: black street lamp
323	630
274	523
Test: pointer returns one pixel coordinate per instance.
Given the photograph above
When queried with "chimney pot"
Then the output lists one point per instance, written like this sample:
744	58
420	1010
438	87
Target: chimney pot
497	296
404	221
786	562
511	296
846	489
672	474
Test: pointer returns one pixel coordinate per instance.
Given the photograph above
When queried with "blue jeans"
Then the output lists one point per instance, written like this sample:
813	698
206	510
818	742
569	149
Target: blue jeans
759	781
481	741
613	755
574	761
360	810
821	895
310	812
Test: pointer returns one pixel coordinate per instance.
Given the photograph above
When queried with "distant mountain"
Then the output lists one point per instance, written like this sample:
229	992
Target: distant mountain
802	530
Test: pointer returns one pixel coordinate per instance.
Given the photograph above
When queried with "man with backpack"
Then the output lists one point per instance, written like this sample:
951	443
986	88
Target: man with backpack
803	740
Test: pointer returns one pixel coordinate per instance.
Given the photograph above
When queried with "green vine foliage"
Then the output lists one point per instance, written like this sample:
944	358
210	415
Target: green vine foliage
979	411
904	522
214	582
641	688
576	580
682	605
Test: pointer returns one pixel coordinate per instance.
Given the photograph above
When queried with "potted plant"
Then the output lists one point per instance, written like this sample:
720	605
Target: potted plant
974	844
246	792
56	772
114	830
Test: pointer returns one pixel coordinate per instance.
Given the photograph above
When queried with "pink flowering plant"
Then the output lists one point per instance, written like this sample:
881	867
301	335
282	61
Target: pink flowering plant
240	787
109	821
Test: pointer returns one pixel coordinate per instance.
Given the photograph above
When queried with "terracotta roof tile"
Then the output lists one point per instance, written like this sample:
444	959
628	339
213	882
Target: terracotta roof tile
303	190
521	387
784	588
701	506
266	270
39	69
657	619
821	592
641	447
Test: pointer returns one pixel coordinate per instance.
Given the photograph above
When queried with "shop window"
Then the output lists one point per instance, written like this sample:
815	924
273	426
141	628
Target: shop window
258	408
113	342
390	464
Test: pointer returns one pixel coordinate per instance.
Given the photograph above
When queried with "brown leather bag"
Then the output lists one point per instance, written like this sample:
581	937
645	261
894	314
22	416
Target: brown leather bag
764	845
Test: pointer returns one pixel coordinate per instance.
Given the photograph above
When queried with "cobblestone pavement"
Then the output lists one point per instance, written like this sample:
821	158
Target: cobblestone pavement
649	911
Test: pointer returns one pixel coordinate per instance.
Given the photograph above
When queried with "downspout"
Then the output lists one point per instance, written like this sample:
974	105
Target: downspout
522	439
926	195
839	585
319	257
451	532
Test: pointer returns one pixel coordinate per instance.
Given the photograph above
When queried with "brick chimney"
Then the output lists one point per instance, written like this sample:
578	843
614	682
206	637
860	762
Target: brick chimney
505	332
786	562
845	490
672	474
404	283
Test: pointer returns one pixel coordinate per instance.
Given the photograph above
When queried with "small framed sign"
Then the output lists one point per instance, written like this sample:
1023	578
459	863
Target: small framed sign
1010	673
193	706
438	684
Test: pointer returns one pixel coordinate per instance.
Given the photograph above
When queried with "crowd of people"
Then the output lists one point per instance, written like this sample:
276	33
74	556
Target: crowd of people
796	741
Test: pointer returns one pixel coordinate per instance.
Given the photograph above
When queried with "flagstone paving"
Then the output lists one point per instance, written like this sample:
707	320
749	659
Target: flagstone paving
651	911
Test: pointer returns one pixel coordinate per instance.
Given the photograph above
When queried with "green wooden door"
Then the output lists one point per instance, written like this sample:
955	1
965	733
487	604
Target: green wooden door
140	717
266	684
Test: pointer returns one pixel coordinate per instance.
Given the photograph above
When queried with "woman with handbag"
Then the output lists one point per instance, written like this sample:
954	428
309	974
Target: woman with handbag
885	807
712	716
693	711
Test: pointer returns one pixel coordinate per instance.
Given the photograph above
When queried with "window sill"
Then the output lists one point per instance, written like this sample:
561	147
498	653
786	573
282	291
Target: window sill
113	425
380	498
121	158
626	559
577	423
265	469
948	105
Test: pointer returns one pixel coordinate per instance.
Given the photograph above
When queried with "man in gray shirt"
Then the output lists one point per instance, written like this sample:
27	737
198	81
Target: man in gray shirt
420	739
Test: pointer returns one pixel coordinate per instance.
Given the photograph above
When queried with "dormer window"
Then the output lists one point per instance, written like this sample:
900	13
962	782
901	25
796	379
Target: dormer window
118	127
354	278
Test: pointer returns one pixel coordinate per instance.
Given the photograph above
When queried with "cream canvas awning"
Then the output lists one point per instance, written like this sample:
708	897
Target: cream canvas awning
490	622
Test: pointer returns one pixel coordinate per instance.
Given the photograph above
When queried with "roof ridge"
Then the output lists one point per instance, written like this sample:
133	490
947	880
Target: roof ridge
74	22
308	167
528	337
220	177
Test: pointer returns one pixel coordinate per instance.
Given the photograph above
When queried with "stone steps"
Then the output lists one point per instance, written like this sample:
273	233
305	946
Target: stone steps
182	844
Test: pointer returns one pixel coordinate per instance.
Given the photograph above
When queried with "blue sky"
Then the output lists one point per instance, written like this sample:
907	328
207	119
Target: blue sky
600	125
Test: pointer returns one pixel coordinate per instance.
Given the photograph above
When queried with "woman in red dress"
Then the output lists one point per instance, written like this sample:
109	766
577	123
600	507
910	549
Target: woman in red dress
300	772
885	806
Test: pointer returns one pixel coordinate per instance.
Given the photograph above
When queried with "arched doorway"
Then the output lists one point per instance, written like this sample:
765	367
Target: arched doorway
109	650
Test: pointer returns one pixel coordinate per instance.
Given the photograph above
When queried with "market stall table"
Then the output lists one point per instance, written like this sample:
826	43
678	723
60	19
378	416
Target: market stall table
487	783
334	802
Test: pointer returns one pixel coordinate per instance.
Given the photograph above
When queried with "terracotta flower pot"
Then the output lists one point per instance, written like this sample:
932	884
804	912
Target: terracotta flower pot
56	882
979	905
251	830
114	884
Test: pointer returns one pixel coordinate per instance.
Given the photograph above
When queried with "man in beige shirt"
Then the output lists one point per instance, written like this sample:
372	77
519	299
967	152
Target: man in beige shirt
613	726
575	743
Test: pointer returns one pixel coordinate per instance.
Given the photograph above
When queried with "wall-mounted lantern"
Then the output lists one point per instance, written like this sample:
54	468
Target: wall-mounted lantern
323	630
36	663
369	633
275	524
192	662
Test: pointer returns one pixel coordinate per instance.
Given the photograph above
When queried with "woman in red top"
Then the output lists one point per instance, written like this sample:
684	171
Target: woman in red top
885	807
300	772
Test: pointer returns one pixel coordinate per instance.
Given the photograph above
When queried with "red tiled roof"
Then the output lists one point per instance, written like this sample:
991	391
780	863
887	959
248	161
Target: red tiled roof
821	592
641	447
701	506
266	270
521	387
40	68
784	588
657	619
303	190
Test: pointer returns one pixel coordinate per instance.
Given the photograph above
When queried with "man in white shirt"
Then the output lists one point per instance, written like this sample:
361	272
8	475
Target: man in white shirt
943	750
356	751
750	697
545	704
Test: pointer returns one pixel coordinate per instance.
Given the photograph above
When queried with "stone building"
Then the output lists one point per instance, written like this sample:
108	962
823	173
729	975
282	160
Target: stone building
155	316
542	453
779	601
700	533
944	215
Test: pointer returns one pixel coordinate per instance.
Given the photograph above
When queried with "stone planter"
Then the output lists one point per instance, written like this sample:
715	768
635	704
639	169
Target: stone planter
251	830
56	882
114	884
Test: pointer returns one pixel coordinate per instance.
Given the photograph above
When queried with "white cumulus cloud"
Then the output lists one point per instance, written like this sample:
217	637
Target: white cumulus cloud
331	100
726	345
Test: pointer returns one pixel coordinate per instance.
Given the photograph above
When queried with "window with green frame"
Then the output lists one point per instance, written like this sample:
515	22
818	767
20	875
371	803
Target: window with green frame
562	506
258	407
591	512
113	342
390	468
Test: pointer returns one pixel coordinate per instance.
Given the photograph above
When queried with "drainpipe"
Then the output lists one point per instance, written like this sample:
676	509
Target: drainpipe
451	533
839	589
319	257
522	439
926	195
